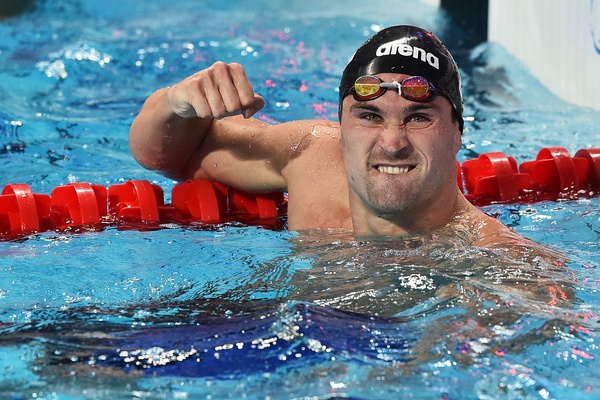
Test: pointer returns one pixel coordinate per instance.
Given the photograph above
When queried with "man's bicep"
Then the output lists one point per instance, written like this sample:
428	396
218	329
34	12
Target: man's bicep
235	169
252	155
244	154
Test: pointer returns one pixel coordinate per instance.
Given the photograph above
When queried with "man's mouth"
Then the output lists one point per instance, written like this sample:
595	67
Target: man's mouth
394	170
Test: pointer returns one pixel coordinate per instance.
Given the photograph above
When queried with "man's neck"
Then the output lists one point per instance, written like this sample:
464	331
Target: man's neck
420	219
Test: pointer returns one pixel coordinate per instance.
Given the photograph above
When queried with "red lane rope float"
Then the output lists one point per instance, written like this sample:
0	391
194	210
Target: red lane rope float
22	211
78	204
491	178
494	177
553	175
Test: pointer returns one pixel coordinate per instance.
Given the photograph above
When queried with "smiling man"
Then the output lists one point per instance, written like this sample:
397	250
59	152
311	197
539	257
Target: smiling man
388	168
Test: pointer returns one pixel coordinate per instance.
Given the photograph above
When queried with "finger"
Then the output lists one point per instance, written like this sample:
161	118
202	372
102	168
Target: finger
221	92
242	85
213	85
200	105
257	104
250	101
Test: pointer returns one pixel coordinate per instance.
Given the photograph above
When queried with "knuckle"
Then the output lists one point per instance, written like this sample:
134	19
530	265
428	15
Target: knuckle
201	76
203	82
219	67
237	67
238	70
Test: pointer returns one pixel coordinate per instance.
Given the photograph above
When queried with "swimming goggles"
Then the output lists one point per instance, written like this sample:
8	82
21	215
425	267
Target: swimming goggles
414	88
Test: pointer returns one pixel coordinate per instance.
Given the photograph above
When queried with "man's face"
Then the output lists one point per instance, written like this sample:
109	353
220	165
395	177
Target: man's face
399	154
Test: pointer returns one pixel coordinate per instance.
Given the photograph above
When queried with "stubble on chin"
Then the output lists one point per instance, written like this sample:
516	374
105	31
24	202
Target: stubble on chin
386	200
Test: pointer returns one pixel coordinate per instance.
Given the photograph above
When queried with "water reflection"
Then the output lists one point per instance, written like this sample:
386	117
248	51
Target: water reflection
406	309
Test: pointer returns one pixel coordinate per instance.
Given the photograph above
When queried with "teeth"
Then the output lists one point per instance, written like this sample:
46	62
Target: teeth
393	170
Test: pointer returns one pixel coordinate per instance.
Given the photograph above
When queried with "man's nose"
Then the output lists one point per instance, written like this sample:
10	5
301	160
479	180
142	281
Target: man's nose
394	140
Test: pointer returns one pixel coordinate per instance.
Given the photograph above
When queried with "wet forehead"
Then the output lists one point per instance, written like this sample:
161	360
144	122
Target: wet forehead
396	103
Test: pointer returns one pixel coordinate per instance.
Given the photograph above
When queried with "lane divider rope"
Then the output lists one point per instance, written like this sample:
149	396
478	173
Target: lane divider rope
138	204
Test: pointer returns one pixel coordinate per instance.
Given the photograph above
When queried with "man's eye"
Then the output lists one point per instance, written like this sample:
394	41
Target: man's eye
419	120
370	117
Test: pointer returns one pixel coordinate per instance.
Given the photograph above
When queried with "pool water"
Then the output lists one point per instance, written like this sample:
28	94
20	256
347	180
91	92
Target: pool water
234	311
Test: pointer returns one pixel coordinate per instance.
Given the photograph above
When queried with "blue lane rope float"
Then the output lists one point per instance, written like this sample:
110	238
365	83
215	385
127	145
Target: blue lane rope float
490	178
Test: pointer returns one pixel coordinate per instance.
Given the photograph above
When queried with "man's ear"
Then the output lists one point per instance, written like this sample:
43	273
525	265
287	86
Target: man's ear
457	143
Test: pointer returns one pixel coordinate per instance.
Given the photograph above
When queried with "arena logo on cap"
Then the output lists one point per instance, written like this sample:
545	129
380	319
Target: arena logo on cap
398	47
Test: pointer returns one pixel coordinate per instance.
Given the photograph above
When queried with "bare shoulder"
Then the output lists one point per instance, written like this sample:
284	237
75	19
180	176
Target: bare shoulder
314	141
497	236
317	184
303	158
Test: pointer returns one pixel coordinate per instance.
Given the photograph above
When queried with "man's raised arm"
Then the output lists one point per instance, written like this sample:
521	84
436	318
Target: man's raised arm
168	134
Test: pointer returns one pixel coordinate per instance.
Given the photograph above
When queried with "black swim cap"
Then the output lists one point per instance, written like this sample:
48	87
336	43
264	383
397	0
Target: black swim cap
406	50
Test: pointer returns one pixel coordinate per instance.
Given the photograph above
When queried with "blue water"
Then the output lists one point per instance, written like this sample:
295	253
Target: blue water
236	311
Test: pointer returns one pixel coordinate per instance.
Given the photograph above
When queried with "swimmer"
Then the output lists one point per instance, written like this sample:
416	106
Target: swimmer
388	168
